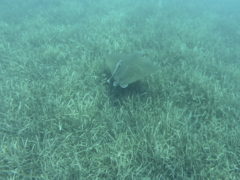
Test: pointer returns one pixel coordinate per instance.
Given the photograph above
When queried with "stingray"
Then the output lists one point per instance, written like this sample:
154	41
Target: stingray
128	68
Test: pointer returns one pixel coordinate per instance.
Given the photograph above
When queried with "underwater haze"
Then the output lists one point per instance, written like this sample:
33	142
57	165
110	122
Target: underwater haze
61	119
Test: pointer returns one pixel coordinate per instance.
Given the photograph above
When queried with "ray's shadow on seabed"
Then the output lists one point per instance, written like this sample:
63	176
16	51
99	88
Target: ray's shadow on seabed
137	92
